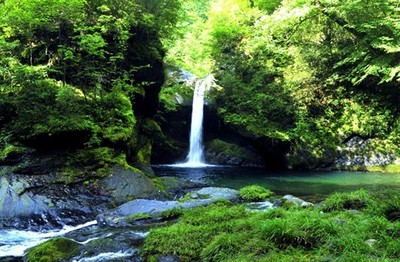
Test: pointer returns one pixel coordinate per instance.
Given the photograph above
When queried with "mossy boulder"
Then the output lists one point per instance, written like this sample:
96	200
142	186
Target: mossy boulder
58	249
224	153
171	186
123	214
12	154
127	183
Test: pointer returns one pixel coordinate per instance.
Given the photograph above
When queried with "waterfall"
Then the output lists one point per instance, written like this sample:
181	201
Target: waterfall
195	157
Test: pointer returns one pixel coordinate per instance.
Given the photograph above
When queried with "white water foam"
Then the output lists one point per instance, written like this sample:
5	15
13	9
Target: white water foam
195	157
191	165
16	242
107	256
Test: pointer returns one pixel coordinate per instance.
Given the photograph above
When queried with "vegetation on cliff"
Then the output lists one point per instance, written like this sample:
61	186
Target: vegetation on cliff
88	73
314	73
82	74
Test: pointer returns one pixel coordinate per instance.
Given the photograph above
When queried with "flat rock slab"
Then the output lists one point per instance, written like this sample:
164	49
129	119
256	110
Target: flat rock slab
205	196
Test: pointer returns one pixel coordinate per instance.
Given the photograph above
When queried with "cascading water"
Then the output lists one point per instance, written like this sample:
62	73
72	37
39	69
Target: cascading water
195	157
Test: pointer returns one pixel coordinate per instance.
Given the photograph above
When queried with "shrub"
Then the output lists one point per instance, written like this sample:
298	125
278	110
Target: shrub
254	193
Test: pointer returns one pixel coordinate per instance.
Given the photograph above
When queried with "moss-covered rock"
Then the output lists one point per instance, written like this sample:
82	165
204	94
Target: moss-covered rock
171	186
127	183
11	154
224	153
58	249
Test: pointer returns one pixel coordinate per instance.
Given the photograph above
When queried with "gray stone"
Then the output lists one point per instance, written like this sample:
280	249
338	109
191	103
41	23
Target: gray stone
370	242
205	196
14	202
125	184
360	152
169	258
219	192
259	206
297	201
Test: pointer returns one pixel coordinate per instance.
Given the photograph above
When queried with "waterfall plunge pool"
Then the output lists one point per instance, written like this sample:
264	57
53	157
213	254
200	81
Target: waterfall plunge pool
312	186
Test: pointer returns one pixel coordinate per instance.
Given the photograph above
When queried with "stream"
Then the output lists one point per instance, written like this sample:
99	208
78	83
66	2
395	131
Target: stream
123	244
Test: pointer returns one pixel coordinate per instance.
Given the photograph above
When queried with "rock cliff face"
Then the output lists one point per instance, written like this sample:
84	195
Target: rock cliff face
44	191
361	153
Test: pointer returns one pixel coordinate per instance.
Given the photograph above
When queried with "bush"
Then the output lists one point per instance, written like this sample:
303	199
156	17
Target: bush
254	193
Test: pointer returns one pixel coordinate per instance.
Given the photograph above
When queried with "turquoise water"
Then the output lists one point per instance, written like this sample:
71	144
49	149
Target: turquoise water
309	185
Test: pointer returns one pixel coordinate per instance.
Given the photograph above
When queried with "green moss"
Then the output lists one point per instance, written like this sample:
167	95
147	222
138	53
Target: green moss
254	193
160	185
165	184
220	147
59	249
10	150
144	154
193	195
138	216
87	165
171	213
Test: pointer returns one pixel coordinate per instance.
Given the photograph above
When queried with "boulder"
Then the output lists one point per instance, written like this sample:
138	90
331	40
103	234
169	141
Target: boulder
361	152
297	201
14	201
125	184
125	214
223	153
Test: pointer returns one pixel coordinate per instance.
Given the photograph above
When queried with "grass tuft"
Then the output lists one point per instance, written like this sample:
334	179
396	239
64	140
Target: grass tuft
254	193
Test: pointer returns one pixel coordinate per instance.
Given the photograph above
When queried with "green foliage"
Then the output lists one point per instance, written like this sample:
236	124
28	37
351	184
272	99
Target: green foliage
10	150
71	74
191	51
385	169
231	233
254	193
138	216
171	213
310	72
58	249
357	200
